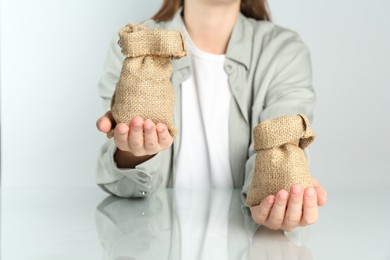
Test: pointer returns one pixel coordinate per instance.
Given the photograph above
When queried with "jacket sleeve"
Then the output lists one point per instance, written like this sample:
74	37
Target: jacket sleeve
289	91
137	182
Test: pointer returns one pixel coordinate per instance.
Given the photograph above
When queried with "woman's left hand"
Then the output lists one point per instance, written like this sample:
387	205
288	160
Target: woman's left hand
286	211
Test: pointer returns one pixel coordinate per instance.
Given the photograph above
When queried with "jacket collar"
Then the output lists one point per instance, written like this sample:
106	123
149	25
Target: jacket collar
240	42
239	46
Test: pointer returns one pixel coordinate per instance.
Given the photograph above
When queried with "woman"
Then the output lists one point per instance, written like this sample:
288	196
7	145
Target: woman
241	70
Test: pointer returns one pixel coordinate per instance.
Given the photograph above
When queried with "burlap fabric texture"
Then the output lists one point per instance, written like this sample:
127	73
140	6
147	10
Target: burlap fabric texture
144	88
280	159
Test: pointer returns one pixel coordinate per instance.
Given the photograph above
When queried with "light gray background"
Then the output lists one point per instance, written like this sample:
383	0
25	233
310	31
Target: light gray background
52	54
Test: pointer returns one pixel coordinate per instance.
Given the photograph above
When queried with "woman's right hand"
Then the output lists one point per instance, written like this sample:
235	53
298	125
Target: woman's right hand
141	139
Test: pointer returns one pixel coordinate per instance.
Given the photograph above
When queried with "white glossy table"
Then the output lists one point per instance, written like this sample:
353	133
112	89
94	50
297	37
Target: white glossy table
85	223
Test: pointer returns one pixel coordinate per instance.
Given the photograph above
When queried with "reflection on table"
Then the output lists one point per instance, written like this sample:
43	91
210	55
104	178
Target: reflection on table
66	223
185	224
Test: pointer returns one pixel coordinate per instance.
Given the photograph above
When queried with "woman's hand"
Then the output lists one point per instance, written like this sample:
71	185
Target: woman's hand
286	211
136	142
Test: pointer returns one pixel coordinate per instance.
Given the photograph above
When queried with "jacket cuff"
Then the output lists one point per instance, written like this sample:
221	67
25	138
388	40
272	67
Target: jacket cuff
109	172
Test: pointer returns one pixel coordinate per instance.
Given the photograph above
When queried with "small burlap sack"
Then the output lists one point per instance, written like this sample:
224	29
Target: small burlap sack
144	88
280	159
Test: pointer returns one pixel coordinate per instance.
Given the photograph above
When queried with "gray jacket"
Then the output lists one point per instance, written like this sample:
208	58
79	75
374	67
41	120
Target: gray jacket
269	71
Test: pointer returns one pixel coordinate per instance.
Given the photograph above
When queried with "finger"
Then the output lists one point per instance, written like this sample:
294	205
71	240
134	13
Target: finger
315	183
136	136
278	210
261	212
164	138
310	209
121	136
321	196
321	193
151	140
294	208
105	123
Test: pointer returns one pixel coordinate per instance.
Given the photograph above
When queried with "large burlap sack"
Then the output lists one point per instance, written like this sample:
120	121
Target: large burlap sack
280	159
144	88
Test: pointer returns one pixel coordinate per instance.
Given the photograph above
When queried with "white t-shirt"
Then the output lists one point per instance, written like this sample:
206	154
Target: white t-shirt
203	159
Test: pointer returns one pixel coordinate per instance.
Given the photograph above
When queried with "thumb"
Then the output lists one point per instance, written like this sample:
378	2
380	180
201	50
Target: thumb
106	122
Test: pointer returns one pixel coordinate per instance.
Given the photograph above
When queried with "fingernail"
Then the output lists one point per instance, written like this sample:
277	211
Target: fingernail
148	124
137	124
297	190
159	128
122	130
270	200
148	127
282	196
310	192
136	127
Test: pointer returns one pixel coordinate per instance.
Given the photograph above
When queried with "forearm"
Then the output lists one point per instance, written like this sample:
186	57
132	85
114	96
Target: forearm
127	160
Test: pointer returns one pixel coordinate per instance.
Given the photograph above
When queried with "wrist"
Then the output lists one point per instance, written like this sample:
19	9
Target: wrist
125	159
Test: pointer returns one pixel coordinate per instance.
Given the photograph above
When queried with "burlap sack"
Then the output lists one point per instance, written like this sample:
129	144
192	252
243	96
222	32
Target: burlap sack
280	159
144	88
